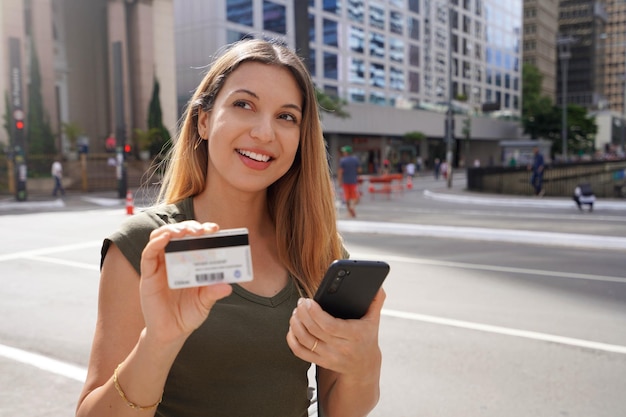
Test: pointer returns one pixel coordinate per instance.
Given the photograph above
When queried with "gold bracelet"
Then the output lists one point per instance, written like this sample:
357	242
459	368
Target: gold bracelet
126	400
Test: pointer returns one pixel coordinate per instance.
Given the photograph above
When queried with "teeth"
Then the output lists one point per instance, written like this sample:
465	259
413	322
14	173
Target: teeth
255	156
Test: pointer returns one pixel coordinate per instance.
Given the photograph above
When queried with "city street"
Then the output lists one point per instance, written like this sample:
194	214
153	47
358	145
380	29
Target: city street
496	306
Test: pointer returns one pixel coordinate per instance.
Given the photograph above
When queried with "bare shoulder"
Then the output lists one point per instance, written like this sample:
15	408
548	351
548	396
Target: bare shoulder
120	320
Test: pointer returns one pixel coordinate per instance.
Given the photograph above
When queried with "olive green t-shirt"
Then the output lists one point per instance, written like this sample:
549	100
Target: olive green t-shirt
237	363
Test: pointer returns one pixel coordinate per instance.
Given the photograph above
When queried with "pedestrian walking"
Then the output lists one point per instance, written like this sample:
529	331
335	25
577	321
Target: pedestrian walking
537	168
250	153
409	169
436	168
57	174
348	178
443	168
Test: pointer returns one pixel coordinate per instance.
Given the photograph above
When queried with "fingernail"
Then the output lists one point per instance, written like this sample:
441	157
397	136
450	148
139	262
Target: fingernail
300	301
308	303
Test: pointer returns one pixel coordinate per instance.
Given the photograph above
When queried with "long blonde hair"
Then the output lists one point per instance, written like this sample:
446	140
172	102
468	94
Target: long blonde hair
301	203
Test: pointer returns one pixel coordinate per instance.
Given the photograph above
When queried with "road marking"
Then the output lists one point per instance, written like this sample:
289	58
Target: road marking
507	331
54	366
461	265
488	213
49	250
539	238
64	262
78	373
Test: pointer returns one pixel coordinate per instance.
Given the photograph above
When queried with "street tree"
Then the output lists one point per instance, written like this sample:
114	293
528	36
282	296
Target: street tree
160	136
535	106
542	119
40	139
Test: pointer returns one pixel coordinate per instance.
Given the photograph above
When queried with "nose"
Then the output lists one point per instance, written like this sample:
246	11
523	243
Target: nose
263	130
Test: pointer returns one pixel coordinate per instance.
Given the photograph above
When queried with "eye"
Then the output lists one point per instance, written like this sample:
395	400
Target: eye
288	117
242	104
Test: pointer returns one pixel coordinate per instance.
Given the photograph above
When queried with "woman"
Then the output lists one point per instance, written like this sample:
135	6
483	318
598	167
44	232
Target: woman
250	153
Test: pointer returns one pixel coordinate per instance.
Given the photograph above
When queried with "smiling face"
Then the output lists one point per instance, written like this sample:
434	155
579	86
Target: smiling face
253	129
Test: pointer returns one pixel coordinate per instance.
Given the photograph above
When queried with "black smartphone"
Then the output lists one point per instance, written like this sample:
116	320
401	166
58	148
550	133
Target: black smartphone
349	286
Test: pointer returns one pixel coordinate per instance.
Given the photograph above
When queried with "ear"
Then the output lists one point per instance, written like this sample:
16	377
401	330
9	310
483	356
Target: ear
203	123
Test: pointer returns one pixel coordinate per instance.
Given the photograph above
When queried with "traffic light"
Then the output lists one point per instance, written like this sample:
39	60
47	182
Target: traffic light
127	148
19	125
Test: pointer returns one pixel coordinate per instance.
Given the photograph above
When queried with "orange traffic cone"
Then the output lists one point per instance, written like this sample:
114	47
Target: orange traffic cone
130	205
409	183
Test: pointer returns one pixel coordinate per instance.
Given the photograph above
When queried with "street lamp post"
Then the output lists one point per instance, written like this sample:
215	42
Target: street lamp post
623	129
565	54
449	123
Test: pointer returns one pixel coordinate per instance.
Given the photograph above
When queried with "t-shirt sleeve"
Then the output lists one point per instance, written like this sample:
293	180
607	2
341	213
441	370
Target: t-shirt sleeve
133	236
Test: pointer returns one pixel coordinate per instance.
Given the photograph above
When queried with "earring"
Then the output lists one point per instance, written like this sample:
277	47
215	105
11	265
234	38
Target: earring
200	139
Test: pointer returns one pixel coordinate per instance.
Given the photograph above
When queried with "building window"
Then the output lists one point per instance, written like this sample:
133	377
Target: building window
396	50
377	45
274	18
467	24
414	28
414	55
377	98
333	6
396	79
239	11
377	75
311	63
311	28
357	95
356	12
414	82
377	16
396	22
331	90
330	32
357	71
414	6
330	65
357	40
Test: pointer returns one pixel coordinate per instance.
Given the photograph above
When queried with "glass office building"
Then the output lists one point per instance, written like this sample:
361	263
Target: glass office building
391	54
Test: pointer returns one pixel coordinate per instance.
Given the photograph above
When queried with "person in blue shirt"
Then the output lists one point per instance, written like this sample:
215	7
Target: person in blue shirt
537	168
348	178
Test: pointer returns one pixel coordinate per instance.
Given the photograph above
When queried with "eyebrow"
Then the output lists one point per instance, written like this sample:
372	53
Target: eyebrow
253	94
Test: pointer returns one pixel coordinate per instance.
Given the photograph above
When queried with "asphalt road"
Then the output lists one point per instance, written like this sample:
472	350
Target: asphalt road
475	323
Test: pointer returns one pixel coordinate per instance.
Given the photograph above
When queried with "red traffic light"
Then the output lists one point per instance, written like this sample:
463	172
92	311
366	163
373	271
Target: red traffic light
19	125
127	148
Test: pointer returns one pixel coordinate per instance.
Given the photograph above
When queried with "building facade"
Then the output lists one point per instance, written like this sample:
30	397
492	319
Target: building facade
614	47
581	25
541	19
397	63
98	60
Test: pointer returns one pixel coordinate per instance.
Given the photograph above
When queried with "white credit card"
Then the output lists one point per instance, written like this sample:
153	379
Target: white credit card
215	258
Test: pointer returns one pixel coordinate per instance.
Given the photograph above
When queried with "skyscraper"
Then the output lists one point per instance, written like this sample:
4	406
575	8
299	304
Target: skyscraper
391	60
540	32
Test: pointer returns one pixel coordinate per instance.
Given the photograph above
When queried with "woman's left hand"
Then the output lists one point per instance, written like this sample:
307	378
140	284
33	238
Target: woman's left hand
347	347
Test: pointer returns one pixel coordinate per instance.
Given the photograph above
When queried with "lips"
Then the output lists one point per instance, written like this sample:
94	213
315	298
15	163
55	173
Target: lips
254	156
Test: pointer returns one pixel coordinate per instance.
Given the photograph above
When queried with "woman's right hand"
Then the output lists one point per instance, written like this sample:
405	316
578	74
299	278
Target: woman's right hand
172	314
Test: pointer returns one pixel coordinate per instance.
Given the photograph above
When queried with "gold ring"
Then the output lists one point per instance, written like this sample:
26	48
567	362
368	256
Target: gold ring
314	345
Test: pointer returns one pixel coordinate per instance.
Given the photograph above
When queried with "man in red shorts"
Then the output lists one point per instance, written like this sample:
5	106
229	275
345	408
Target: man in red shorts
347	177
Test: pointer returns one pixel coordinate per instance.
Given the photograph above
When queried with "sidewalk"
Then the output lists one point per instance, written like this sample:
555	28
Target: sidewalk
371	224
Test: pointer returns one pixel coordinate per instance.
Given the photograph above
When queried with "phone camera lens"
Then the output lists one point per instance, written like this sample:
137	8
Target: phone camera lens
341	273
